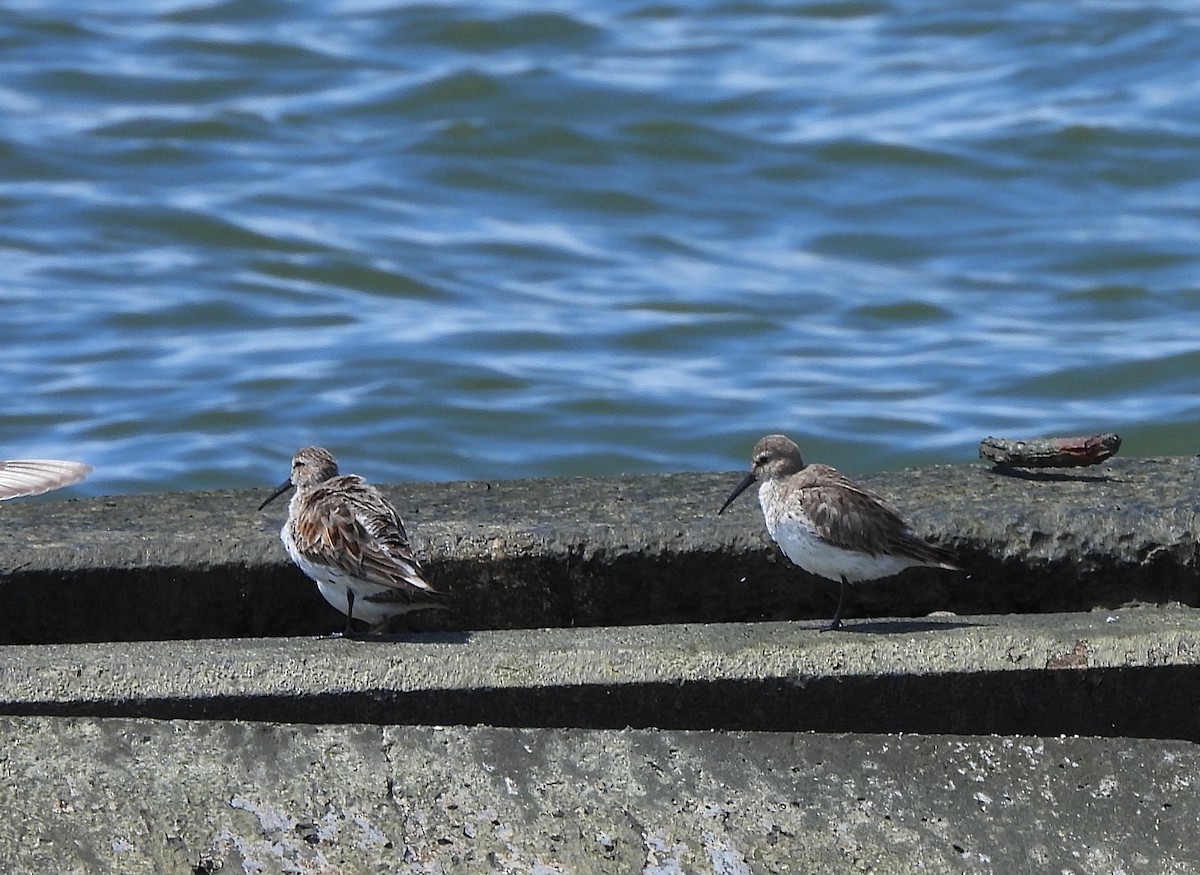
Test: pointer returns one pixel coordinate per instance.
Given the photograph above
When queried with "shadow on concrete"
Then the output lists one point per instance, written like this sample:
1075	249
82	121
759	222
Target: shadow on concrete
1137	702
450	637
903	627
1050	476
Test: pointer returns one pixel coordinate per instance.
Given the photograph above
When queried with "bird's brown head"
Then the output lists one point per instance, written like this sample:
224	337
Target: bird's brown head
774	456
310	466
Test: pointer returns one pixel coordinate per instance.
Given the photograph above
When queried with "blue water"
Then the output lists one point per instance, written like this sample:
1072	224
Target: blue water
505	240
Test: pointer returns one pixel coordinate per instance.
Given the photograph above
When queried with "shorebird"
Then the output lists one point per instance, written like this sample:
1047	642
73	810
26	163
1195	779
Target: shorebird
20	477
348	538
829	525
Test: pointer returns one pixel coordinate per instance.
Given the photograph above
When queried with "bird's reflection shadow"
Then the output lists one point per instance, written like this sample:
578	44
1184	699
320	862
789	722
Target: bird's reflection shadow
452	637
903	627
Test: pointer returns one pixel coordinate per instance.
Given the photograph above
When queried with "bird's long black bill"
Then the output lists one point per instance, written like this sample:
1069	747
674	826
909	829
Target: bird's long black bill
283	487
741	487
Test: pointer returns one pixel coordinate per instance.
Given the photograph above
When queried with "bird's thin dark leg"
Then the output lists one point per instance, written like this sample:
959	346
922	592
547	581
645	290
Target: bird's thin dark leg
349	633
836	622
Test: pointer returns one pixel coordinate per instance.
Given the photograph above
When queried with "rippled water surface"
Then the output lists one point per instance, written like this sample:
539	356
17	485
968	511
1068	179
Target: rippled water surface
499	240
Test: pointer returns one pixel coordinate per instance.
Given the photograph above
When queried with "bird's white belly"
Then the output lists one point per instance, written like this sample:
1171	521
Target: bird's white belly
801	544
335	587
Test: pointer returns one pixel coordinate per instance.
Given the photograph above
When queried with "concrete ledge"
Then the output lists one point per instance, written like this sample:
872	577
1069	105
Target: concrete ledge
185	797
1095	674
602	551
343	767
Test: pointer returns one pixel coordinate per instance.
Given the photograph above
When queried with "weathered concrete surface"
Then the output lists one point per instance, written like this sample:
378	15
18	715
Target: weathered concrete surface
187	797
95	779
602	551
1097	674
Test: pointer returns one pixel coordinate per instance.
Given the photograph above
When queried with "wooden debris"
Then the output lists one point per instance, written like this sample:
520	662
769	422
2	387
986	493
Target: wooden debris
1071	452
